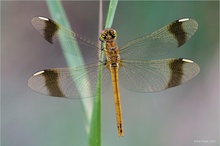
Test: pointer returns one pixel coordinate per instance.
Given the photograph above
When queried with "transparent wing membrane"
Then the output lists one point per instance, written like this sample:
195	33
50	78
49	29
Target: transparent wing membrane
156	75
159	42
71	83
50	30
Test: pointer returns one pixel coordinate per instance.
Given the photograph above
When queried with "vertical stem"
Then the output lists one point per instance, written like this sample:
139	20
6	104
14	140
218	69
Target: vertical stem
95	130
58	14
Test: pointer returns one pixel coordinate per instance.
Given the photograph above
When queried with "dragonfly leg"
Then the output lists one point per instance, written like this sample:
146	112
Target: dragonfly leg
103	62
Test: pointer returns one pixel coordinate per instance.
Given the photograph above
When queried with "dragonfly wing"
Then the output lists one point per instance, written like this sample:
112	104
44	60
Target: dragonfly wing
51	30
69	82
161	41
156	75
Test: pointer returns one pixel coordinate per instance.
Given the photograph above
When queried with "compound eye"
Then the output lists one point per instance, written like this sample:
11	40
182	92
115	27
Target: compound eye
103	35
113	32
102	38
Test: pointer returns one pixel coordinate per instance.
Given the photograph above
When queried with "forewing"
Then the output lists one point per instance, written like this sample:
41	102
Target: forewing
69	82
161	41
51	30
156	75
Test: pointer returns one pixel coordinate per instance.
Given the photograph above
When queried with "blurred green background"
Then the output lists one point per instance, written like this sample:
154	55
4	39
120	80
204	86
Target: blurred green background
187	115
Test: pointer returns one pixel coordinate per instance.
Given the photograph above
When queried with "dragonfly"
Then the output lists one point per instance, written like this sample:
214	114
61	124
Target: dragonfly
134	64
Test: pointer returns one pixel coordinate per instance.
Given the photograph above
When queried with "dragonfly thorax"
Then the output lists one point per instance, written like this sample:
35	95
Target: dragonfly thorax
111	50
112	53
108	35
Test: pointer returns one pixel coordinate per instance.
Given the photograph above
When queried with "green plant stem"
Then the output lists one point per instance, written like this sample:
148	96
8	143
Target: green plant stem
95	133
111	13
58	14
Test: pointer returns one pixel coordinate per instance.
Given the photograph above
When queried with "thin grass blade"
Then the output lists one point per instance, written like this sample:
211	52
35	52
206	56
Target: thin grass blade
58	14
95	133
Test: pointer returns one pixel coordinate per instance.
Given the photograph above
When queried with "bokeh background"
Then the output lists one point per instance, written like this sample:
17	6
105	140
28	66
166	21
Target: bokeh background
187	115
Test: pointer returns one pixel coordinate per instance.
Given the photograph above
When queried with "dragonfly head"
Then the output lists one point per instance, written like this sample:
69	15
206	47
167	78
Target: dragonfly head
108	35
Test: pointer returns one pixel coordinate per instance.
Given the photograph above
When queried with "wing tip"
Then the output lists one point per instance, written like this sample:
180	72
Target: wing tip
43	18
183	19
38	73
